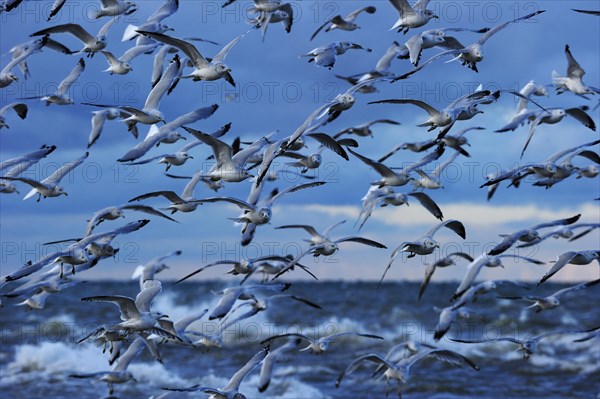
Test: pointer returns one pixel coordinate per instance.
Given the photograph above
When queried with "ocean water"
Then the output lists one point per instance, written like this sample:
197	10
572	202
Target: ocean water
38	348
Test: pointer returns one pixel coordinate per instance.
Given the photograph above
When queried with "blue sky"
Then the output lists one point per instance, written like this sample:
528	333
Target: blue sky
277	90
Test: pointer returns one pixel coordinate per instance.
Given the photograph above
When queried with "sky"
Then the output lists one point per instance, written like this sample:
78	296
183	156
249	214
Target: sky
276	90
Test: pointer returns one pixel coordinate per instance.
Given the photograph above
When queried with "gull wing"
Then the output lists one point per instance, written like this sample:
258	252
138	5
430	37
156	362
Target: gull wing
64	86
234	383
498	28
144	299
126	305
74	29
574	70
187	48
220	57
55	177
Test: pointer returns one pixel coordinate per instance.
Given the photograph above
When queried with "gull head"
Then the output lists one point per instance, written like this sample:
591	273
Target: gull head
222	68
431	244
238	395
430	14
346	100
115	213
550	168
130	7
59	190
315	159
264	215
477	53
8	188
162	28
553	301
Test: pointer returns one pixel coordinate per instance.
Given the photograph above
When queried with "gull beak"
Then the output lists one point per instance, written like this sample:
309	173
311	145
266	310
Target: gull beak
436	17
191	157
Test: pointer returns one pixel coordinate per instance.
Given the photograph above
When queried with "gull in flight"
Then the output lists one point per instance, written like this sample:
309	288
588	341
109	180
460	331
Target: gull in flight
321	244
325	55
112	8
167	133
100	117
573	258
527	346
6	75
75	254
20	49
116	212
364	130
19	165
182	155
149	114
275	355
433	181
320	345
152	24
49	187
61	96
230	295
203	69
411	16
472	54
384	196
271	12
565	232
229	167
344	23
148	270
426	244
552	301
401	178
572	82
382	69
136	315
119	373
182	203
91	43
257	212
121	65
414	46
522	114
231	390
400	371
443	262
482	261
529	234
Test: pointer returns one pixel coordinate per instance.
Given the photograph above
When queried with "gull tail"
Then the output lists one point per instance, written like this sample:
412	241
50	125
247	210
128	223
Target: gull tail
30	194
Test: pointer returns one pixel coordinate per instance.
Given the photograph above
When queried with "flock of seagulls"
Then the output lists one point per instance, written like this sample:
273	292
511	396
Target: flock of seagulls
235	161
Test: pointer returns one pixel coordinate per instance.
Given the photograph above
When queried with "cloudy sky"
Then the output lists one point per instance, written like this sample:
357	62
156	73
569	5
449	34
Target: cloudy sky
276	90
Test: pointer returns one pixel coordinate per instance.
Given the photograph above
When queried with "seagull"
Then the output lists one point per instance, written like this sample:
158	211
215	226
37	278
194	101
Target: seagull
115	212
152	24
6	76
411	17
232	294
136	314
49	187
425	245
472	54
320	345
414	46
272	12
364	130
400	371
61	96
573	258
324	56
433	181
552	301
527	346
529	234
167	133
75	254
231	390
100	118
443	262
482	261
384	196
179	203
19	165
203	69
112	8
391	178
552	116
149	269
572	82
91	43
149	114
321	244
180	328
121	65
266	369
119	373
347	23
229	167
20	49
564	232
590	12
382	69
243	266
